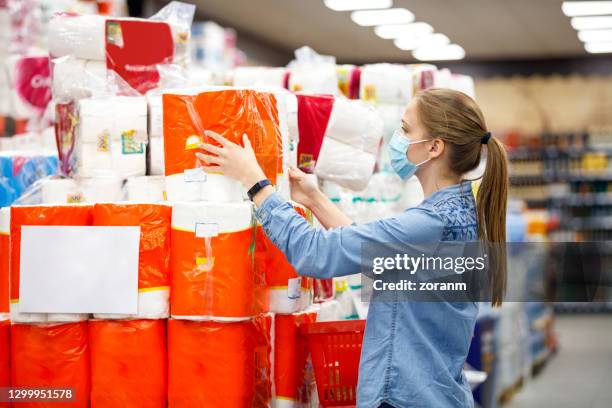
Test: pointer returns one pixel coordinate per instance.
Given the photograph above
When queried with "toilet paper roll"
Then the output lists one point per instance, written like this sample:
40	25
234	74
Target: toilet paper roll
386	83
66	317
260	76
75	79
5	248
101	189
220	364
156	156
211	262
156	114
60	191
29	82
344	165
146	189
110	160
214	187
153	256
82	36
51	356
329	311
129	117
356	124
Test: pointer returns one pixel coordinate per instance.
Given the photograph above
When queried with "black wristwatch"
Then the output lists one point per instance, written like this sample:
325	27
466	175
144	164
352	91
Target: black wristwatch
257	187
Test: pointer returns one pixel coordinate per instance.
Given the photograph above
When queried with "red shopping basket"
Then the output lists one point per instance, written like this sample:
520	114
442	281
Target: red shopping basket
335	349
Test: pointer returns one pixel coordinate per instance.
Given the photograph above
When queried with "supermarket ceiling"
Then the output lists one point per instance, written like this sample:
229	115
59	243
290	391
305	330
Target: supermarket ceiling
486	29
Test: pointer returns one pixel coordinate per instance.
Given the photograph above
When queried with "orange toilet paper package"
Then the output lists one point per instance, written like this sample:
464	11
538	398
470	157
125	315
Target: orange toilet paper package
5	352
154	223
51	355
293	375
214	364
4	271
231	113
64	215
128	363
212	263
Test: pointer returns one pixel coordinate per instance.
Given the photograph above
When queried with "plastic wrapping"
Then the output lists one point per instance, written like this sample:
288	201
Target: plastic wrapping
313	73
356	124
329	311
260	76
76	215
146	189
5	248
102	137
75	78
231	113
122	43
154	253
344	165
386	83
20	171
51	355
293	375
423	77
323	290
128	363
28	78
55	190
313	113
212	262
349	78
219	364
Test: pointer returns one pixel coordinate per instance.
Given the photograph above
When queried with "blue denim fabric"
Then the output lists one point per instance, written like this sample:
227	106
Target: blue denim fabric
413	352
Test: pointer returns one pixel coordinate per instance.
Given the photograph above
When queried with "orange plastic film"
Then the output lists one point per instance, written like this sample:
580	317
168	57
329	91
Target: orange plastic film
51	355
231	113
212	262
154	222
5	229
74	215
293	376
217	365
128	363
5	353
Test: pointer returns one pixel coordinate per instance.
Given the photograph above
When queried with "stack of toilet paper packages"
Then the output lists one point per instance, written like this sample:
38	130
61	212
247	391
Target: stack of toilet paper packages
212	268
154	254
386	83
213	364
19	171
25	86
102	137
146	189
103	189
98	45
341	137
232	113
423	77
288	292
313	73
260	76
64	215
349	79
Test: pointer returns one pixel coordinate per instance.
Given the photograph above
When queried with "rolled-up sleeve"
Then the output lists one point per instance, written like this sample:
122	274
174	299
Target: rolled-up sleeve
336	252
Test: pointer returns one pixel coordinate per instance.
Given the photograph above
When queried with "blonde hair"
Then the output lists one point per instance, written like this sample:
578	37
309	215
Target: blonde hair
455	118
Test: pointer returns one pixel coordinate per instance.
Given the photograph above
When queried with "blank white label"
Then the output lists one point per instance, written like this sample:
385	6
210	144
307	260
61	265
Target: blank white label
69	269
206	229
194	175
294	287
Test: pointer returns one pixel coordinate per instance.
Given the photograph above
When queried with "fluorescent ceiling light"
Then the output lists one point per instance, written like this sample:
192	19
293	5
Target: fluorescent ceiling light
598	47
411	43
391	31
586	8
445	52
346	5
381	17
595	35
592	23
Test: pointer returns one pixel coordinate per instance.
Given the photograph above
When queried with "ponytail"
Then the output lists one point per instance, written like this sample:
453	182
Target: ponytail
456	118
491	204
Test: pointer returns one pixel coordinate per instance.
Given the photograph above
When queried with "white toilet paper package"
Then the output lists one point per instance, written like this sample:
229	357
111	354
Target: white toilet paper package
349	78
313	73
153	257
28	79
231	113
91	144
386	83
261	76
213	276
146	189
124	43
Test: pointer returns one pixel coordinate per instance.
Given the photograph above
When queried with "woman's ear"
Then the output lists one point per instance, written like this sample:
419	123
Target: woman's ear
437	148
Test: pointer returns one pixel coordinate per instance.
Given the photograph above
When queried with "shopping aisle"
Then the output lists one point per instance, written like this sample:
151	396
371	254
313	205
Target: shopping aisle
579	375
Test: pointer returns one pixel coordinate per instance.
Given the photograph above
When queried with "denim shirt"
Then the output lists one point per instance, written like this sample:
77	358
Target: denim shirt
413	352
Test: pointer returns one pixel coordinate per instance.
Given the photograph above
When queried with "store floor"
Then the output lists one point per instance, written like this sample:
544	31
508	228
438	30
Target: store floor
580	375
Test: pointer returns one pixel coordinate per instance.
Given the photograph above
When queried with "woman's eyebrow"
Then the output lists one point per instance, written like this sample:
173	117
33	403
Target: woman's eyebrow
405	124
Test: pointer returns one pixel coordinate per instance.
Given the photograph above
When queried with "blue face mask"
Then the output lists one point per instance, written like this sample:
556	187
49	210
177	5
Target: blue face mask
398	153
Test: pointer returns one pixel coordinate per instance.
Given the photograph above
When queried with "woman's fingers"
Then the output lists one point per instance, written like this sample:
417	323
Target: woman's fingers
295	173
222	141
208	158
212	148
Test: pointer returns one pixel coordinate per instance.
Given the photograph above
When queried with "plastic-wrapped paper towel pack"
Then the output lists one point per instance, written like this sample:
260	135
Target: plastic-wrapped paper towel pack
212	263
154	254
128	363
91	144
75	79
231	113
212	364
294	381
75	215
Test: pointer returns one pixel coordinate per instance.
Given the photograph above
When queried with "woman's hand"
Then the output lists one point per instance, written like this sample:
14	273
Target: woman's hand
303	189
232	160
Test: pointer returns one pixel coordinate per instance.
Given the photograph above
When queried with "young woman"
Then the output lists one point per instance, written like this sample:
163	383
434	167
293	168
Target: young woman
413	352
